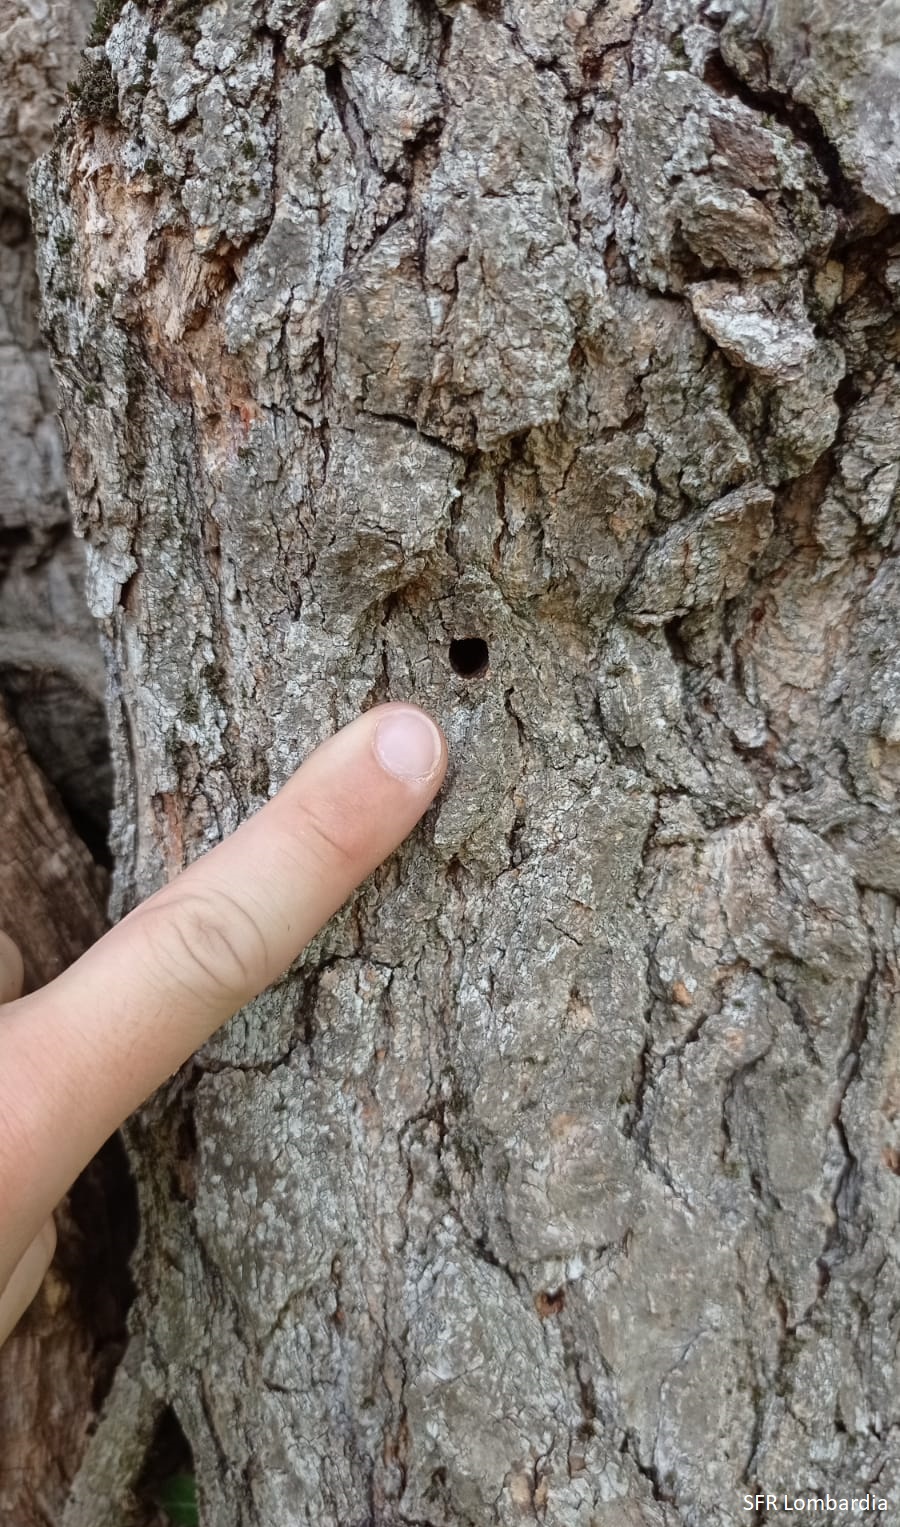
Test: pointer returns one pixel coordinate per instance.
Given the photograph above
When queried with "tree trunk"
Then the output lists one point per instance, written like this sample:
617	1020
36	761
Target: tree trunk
54	788
559	1178
51	669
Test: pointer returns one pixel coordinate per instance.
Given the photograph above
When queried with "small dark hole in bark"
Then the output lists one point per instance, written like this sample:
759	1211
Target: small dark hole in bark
469	656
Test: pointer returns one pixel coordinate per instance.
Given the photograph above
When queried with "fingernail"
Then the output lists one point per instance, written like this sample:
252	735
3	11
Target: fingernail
407	744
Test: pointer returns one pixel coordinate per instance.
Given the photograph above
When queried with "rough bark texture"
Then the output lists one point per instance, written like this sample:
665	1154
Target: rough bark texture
58	1364
51	669
559	1180
51	892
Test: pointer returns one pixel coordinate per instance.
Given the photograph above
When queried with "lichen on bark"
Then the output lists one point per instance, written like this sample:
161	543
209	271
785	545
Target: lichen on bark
559	1178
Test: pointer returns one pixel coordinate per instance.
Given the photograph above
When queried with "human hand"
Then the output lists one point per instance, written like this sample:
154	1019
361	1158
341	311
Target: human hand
79	1055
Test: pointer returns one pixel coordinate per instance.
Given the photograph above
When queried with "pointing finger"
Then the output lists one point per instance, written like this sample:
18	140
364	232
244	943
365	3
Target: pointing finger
81	1054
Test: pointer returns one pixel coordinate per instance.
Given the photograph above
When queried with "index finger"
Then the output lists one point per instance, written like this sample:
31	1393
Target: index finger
81	1054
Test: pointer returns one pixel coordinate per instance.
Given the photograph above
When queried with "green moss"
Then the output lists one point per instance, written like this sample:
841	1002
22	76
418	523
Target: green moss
105	17
95	93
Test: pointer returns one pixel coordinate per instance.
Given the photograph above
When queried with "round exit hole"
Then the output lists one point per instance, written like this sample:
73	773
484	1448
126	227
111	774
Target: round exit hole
469	656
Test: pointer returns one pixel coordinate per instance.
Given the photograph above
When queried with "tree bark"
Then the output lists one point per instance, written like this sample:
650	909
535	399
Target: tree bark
54	789
558	1180
51	668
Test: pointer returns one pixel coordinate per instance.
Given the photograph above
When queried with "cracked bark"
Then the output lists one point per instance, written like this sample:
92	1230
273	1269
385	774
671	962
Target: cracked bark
54	776
576	333
51	668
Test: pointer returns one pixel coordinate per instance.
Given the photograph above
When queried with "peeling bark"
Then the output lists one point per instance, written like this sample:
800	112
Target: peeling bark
559	1177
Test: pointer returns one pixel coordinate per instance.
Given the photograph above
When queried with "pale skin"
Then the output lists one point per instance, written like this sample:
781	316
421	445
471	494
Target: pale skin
78	1056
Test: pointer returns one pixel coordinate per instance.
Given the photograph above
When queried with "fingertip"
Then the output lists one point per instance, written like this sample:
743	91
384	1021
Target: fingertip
409	745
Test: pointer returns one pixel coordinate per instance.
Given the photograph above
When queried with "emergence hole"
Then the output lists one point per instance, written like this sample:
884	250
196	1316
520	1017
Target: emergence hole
469	656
